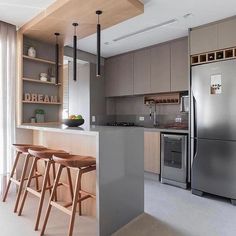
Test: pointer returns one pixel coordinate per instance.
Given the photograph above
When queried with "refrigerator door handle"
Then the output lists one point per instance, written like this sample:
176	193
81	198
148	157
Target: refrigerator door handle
194	118
195	148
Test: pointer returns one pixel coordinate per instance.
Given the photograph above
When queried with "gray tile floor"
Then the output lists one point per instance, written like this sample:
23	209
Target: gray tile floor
172	211
13	225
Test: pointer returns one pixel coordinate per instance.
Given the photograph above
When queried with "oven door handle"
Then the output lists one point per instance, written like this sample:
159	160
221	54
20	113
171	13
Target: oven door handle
173	137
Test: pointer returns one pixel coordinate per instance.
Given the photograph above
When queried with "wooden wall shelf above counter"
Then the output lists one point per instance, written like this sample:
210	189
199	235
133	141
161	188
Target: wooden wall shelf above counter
164	98
59	17
40	60
41	82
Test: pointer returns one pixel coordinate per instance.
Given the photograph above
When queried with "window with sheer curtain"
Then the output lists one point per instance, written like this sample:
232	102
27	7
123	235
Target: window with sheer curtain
7	97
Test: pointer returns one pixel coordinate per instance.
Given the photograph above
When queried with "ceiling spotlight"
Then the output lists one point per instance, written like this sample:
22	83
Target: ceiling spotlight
188	15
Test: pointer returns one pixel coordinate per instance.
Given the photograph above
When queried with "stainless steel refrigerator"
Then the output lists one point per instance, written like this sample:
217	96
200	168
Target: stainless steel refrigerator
213	129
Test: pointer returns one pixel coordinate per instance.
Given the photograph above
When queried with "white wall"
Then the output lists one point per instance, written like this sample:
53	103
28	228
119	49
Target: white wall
79	91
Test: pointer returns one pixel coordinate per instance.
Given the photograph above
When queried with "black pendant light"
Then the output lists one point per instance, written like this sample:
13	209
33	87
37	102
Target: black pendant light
57	58
75	52
98	45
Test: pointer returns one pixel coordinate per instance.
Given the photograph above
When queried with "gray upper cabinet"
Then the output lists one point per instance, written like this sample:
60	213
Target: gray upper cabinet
142	72
111	77
227	34
160	68
204	39
119	75
125	74
179	65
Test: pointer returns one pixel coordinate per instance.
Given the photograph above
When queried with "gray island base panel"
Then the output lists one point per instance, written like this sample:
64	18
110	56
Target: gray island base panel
120	168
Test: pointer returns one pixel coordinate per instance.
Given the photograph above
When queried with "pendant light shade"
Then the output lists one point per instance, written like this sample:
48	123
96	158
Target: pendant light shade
57	58
75	52
98	71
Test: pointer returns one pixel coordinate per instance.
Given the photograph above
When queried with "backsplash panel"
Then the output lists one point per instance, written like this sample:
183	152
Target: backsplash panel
130	109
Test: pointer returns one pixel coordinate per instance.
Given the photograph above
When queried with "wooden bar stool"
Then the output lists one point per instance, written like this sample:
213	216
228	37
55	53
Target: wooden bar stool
21	151
45	155
84	165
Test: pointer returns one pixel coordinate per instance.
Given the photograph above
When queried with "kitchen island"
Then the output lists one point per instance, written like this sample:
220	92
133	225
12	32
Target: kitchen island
118	182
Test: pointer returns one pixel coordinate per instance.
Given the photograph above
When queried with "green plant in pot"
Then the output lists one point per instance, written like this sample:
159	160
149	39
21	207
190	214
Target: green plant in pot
40	115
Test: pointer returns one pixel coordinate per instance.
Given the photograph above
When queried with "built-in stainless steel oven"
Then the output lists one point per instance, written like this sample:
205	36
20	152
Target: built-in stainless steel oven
174	159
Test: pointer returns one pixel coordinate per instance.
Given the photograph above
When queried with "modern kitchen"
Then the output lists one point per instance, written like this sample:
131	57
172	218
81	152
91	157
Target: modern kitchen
117	118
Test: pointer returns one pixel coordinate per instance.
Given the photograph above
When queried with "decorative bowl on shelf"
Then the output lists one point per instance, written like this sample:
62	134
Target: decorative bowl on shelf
73	122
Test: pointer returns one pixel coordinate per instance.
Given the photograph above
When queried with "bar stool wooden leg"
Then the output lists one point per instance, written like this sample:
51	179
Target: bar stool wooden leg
27	157
31	174
44	187
74	204
70	183
80	203
58	175
49	179
36	179
11	176
54	177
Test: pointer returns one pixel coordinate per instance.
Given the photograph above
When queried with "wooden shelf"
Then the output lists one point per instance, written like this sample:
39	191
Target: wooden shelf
41	82
45	103
39	60
162	99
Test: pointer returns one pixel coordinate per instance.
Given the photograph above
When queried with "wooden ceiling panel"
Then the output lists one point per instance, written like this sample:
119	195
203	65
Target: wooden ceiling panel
60	16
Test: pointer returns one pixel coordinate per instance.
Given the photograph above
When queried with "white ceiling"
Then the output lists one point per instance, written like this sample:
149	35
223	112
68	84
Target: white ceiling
156	12
18	12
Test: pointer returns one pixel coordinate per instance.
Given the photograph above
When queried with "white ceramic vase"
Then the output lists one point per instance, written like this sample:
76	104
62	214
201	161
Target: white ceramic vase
31	52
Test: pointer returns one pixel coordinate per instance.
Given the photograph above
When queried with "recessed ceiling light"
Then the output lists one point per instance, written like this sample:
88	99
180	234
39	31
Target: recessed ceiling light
166	23
188	15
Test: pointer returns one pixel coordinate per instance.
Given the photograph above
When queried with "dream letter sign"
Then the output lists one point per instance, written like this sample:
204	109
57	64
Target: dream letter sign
34	97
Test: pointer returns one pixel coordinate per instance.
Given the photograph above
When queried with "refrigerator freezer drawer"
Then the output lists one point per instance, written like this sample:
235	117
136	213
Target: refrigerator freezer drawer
214	167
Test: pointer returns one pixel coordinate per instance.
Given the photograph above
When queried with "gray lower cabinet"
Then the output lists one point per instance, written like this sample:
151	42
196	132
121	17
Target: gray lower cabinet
160	68
179	65
142	79
204	39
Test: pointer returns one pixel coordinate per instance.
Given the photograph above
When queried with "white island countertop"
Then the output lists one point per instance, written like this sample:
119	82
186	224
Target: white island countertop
95	129
85	130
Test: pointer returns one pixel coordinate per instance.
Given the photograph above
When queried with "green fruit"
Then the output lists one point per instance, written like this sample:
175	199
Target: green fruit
79	117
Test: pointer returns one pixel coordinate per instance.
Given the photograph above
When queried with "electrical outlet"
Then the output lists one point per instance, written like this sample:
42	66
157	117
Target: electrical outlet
93	119
178	119
141	118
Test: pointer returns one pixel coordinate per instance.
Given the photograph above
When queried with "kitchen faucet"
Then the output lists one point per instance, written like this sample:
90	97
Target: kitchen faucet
154	113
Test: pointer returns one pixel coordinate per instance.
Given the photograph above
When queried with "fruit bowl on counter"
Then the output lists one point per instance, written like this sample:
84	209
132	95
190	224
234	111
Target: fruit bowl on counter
74	121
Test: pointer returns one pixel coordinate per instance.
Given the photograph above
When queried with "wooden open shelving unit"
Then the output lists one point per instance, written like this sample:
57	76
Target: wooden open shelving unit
213	56
29	69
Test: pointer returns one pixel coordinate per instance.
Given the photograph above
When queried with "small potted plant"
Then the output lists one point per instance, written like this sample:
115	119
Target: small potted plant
39	115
